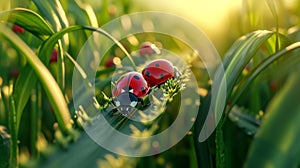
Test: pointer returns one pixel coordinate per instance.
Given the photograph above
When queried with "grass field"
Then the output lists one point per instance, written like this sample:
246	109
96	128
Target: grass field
233	103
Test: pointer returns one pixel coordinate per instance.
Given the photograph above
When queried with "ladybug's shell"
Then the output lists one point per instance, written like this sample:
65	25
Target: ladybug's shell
158	72
132	82
146	48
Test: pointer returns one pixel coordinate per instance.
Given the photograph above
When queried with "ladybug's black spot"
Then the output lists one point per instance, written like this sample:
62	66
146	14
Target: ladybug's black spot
162	76
156	65
136	77
147	73
143	90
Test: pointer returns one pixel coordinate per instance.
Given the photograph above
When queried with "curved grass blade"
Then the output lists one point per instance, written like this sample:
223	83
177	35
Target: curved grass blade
272	6
84	13
239	56
27	78
264	64
243	55
50	86
49	44
276	143
29	20
53	12
235	60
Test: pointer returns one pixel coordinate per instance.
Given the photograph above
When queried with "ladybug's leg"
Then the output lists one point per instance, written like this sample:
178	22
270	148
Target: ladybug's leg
177	73
145	103
115	112
131	115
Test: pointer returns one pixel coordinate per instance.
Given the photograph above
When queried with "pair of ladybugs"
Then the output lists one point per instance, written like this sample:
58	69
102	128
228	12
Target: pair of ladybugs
133	86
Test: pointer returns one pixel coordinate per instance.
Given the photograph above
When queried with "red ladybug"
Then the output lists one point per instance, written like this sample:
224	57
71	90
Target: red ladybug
18	29
129	89
109	62
53	57
158	71
148	48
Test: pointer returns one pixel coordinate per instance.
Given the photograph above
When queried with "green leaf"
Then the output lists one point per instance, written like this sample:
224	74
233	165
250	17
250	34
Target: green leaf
244	120
234	62
272	6
242	55
276	143
83	13
27	79
29	20
22	90
49	84
53	12
244	84
13	154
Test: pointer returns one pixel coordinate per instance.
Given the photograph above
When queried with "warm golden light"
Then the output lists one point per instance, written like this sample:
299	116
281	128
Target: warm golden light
209	14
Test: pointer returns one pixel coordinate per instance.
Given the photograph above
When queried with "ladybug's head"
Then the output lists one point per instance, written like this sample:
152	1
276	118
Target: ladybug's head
126	103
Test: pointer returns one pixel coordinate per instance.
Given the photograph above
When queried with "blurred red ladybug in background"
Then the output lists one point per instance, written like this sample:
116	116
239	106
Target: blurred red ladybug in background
109	62
18	29
53	57
148	48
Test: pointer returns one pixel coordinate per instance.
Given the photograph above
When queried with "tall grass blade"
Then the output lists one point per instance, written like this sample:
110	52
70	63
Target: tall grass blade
276	143
29	20
49	84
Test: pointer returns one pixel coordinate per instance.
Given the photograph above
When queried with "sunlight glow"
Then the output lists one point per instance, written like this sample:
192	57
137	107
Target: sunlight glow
210	14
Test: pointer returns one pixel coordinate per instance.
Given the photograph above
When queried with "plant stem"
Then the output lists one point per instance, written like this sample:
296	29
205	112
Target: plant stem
13	155
220	147
50	86
61	67
35	119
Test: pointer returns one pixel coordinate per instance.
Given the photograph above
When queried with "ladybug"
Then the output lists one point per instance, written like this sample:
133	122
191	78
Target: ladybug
18	29
158	71
130	88
109	62
53	57
148	48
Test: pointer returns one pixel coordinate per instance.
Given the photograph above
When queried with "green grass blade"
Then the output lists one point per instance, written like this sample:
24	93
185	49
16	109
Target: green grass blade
35	119
84	14
53	12
264	64
27	79
276	143
23	86
272	6
243	55
50	86
49	44
29	20
13	154
238	57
